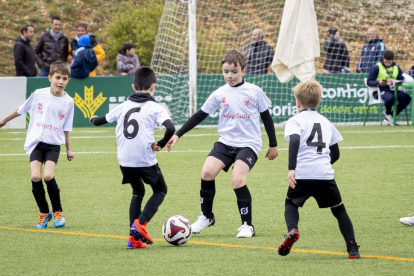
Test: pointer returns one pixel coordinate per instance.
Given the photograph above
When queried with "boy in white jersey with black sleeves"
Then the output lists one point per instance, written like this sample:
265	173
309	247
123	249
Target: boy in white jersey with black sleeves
51	119
313	148
136	119
241	104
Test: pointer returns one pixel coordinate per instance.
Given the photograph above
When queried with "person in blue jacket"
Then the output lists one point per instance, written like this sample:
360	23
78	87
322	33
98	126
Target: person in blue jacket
84	59
372	52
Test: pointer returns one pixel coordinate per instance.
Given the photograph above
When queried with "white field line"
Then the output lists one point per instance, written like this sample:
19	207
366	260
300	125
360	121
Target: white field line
200	135
207	151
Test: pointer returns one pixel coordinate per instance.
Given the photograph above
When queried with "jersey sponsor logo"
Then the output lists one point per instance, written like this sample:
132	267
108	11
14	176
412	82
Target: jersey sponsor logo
89	105
246	101
244	211
39	108
47	126
62	115
237	116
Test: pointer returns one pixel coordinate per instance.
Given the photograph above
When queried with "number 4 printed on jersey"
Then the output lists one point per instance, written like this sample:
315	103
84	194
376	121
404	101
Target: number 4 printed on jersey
319	144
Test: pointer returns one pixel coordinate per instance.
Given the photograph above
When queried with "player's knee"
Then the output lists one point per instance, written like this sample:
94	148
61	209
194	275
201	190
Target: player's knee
36	177
237	182
207	175
48	176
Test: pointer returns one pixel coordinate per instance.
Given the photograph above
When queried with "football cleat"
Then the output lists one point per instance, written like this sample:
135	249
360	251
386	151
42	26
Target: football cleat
140	232
201	223
133	244
245	231
290	239
59	219
352	248
43	220
407	221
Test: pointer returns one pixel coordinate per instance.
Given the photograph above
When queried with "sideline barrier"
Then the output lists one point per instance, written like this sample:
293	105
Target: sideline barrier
12	95
345	101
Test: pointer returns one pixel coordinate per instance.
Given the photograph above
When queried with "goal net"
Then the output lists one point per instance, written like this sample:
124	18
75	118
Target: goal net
228	24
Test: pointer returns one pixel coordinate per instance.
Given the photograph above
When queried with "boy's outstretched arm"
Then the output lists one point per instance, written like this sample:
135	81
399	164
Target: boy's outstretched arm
13	115
293	156
194	120
97	121
169	132
272	152
69	153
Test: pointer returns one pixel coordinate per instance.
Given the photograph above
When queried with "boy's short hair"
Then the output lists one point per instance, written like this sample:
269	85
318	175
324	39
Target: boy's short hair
59	66
234	57
144	77
308	93
82	25
127	46
389	55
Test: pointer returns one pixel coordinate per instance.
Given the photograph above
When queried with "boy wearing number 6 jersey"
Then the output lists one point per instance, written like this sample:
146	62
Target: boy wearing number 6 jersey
136	119
313	148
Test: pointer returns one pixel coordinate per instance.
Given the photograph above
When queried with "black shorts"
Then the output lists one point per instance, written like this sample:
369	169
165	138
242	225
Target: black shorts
149	175
228	155
325	192
44	152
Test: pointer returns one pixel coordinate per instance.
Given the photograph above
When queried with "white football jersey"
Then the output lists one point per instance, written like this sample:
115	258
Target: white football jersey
316	135
135	131
239	122
50	116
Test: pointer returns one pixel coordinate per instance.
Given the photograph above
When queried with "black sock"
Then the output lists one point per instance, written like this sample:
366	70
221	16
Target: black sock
40	196
345	224
134	208
244	202
207	193
54	194
291	215
151	207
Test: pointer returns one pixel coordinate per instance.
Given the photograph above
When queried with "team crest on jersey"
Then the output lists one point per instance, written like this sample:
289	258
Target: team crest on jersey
62	115
39	106
223	100
246	101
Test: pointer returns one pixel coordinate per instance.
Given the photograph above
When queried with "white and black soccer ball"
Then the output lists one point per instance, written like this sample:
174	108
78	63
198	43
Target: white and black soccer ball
176	230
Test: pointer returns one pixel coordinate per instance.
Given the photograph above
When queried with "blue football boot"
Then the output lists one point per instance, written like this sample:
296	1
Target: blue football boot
43	220
59	219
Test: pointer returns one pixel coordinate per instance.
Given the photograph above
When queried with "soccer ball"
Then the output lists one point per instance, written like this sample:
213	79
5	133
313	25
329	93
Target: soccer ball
176	230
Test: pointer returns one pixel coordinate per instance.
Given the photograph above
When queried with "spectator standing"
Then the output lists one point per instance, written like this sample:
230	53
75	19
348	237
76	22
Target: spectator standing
127	61
259	54
372	51
84	59
82	29
337	56
51	45
24	57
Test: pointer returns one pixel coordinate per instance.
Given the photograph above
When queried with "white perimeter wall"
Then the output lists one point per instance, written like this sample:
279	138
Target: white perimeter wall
12	95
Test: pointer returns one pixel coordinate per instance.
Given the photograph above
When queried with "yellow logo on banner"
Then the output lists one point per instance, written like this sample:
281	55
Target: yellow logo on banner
89	105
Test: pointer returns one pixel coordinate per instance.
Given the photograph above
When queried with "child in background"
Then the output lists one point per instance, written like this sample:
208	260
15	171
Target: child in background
84	59
127	61
51	119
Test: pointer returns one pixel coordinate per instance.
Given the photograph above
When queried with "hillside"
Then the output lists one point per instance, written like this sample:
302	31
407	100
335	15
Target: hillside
394	19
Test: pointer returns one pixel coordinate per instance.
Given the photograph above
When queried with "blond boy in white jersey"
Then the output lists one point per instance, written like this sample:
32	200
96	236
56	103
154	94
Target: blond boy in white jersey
242	105
313	148
51	119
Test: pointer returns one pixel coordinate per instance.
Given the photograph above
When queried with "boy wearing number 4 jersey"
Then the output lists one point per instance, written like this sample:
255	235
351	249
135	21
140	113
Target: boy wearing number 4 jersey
136	119
313	148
